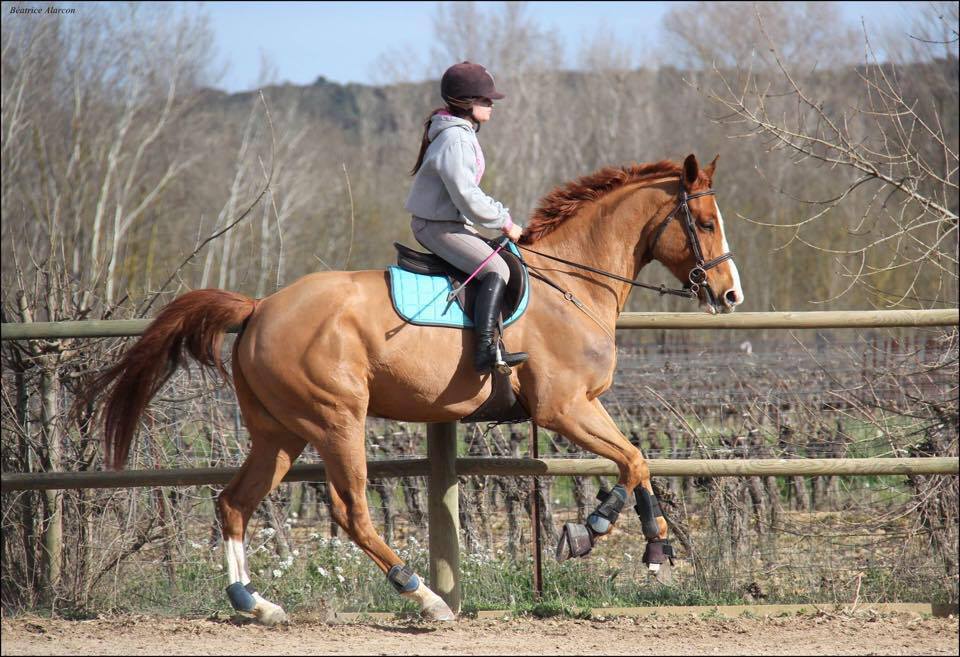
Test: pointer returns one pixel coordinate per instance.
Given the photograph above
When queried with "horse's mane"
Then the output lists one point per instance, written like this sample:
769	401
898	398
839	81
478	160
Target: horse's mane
567	199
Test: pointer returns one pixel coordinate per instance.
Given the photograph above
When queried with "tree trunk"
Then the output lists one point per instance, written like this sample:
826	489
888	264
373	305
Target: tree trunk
28	498
53	499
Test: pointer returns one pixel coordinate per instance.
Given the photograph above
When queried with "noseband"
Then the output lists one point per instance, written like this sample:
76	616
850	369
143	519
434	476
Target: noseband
697	275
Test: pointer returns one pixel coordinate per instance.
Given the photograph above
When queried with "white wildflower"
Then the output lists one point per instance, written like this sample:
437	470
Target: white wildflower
323	571
277	573
341	578
267	532
296	553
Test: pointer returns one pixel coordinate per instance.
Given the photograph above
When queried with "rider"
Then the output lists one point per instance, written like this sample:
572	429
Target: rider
446	199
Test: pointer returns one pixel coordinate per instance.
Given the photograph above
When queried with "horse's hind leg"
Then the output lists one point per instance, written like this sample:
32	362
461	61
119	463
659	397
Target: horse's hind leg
273	451
588	424
342	448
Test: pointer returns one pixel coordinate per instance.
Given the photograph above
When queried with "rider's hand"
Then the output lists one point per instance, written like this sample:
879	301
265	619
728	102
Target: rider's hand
514	232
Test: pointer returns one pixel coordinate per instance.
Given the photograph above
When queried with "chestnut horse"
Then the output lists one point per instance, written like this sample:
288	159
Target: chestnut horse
316	358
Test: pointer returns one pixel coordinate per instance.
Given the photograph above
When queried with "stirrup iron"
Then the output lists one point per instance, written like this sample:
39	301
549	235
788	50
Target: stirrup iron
500	365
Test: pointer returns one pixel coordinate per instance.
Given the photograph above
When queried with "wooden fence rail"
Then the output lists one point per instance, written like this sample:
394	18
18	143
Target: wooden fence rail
498	467
780	320
442	466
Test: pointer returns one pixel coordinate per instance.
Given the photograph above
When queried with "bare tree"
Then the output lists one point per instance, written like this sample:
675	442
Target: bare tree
892	153
727	35
507	42
87	104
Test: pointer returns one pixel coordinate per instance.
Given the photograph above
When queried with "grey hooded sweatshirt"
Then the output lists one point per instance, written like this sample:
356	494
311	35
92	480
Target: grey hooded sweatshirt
447	186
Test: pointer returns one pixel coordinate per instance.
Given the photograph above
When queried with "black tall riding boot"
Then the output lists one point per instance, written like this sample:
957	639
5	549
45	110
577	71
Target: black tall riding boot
485	314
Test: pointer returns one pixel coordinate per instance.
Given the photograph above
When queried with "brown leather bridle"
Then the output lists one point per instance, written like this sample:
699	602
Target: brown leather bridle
698	274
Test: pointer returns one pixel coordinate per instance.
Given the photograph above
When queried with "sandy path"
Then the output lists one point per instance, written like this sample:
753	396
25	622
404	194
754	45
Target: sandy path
892	634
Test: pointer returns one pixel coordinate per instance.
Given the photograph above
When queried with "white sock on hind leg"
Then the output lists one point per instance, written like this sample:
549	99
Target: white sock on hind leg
236	563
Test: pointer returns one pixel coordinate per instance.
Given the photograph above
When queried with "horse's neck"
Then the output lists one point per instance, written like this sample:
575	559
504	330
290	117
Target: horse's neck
607	234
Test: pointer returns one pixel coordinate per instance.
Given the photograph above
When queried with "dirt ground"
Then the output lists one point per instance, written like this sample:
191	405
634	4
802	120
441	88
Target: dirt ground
865	634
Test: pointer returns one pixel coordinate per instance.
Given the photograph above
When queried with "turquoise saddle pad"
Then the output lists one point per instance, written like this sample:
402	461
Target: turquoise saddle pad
421	299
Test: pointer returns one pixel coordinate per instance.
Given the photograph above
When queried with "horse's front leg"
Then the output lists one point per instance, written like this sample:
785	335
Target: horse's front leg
588	424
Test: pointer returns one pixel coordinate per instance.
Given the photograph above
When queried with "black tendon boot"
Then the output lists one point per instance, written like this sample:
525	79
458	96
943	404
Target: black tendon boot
486	311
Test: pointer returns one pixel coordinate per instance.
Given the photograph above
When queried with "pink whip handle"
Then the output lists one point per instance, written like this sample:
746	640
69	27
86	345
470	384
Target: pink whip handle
482	264
476	271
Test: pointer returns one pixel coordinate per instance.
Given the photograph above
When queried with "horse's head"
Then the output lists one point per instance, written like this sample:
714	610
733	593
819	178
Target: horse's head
692	243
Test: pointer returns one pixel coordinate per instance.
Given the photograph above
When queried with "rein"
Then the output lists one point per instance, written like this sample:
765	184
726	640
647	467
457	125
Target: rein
662	289
569	296
697	275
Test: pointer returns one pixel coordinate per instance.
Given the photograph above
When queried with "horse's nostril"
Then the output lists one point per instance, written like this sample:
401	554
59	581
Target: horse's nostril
731	298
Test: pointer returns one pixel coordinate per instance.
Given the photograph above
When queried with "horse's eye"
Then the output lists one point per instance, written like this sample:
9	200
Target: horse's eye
707	226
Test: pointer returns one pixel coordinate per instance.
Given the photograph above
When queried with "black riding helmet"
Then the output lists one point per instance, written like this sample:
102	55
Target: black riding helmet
468	80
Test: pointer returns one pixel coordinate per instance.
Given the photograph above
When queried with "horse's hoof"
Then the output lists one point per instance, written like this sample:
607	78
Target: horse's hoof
438	611
575	541
271	617
268	613
663	572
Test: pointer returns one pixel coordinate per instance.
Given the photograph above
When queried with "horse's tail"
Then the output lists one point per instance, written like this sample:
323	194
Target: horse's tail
196	322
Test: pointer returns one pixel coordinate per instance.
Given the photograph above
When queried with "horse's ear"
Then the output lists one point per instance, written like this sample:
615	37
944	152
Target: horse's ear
691	169
710	168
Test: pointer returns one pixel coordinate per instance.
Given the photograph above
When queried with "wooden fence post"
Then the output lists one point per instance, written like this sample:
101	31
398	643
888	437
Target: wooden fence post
535	518
444	513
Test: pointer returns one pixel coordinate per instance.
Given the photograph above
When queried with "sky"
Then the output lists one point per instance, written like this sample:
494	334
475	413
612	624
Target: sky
342	41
